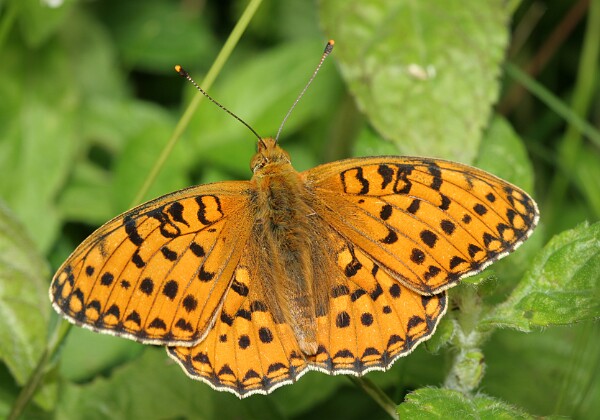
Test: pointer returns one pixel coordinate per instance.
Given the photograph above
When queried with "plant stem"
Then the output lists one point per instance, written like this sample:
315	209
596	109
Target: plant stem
377	394
468	365
554	103
209	79
582	98
8	18
57	336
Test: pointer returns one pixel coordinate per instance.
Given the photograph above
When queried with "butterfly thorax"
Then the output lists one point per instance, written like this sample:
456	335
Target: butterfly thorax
286	253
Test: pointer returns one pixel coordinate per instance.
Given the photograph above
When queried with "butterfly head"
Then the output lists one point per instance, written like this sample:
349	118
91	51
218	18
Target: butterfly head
268	153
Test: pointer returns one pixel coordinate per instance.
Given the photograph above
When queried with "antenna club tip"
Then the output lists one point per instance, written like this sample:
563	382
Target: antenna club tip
329	46
181	71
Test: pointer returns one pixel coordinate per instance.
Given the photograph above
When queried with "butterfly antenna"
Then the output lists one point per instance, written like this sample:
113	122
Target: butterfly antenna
328	49
185	74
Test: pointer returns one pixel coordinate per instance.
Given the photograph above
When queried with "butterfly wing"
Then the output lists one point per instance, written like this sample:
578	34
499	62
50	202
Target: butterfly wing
246	352
158	273
426	222
372	318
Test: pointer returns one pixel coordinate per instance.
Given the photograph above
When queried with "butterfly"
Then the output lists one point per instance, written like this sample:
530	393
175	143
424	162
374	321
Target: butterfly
342	268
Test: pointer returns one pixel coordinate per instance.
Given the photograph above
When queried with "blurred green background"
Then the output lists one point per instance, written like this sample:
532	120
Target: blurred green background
89	99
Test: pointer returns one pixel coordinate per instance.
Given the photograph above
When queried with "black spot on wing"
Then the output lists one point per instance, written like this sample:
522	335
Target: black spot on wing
357	174
240	288
170	289
226	318
147	286
353	266
386	212
175	210
342	320
190	303
258	306
137	259
428	237
202	208
197	249
456	261
414	206
243	313
436	172
391	237
386	174
480	209
158	323
131	231
403	184
205	275
445	204
447	226
378	291
106	279
113	310
166	227
417	256
168	253
357	294
134	317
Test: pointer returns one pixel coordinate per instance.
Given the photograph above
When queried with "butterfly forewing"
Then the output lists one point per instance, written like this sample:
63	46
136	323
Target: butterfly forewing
427	222
158	273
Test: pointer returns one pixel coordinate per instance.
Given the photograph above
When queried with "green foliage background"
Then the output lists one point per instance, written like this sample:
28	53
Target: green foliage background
89	99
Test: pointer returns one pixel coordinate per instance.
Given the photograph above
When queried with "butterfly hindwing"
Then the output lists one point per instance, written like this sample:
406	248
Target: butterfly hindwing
157	273
246	351
427	222
372	318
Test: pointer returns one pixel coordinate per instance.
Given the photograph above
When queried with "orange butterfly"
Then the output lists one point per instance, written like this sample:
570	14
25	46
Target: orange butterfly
342	268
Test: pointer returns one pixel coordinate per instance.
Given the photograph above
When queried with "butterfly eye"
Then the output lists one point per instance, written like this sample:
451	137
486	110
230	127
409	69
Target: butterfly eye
258	161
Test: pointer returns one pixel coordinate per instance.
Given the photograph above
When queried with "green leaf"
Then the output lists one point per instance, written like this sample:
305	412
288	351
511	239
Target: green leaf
443	334
153	387
133	164
42	111
24	307
87	196
562	286
433	403
425	75
369	143
586	170
563	360
39	20
86	354
160	34
503	153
